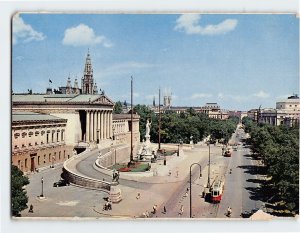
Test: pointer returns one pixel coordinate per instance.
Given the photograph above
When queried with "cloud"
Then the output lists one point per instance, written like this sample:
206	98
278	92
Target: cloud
83	35
200	95
23	32
190	24
261	94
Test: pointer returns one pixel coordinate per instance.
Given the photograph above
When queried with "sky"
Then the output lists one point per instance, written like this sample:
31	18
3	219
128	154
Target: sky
240	61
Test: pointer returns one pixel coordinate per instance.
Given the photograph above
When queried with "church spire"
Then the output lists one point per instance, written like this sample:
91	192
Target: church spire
87	82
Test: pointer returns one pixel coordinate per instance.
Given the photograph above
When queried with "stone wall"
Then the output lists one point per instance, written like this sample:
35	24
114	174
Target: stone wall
73	177
117	155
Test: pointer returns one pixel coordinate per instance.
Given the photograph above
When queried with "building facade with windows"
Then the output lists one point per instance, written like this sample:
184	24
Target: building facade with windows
122	127
38	140
287	112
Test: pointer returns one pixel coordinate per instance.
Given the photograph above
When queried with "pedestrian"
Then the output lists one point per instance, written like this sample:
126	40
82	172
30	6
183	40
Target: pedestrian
30	209
186	194
170	173
138	196
187	189
147	214
117	176
181	210
154	209
109	205
165	210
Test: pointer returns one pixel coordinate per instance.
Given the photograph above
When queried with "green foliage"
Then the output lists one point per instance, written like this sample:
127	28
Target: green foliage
118	107
278	148
19	198
180	127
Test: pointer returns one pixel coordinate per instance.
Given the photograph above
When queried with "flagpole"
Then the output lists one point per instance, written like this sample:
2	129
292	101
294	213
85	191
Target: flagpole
159	123
131	148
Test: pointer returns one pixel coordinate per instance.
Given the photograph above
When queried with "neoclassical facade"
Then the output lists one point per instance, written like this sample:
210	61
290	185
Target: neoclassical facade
287	112
89	116
122	127
38	140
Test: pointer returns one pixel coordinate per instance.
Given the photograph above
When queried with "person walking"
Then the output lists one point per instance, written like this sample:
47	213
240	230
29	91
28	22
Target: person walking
165	210
181	210
30	209
154	209
138	196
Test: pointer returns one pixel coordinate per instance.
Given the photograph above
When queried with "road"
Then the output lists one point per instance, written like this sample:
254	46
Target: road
237	191
66	201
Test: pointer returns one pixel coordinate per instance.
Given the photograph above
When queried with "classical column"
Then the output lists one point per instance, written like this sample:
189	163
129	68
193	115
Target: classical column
87	128
110	124
98	125
105	124
101	123
92	127
95	126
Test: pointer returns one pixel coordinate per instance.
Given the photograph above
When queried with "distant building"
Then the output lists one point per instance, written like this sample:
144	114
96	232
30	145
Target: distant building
38	140
287	112
212	110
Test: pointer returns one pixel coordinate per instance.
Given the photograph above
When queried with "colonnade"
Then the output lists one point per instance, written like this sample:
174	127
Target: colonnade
98	125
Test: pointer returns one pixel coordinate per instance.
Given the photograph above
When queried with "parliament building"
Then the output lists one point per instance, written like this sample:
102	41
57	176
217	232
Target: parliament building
47	128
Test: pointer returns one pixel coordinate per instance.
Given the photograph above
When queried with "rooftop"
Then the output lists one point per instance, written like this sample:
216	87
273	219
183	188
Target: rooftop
18	116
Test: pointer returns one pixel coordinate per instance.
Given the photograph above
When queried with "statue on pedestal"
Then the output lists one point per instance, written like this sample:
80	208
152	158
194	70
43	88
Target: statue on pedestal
148	125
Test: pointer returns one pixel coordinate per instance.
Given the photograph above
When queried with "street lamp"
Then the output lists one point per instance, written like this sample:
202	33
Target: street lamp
191	185
42	181
165	159
208	177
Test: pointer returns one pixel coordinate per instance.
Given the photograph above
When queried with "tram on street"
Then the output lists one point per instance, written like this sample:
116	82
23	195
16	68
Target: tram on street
216	190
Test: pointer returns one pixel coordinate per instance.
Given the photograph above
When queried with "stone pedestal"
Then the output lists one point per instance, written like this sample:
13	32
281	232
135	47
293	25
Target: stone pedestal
115	194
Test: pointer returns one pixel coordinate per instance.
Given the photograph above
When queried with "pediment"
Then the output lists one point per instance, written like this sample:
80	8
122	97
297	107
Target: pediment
103	100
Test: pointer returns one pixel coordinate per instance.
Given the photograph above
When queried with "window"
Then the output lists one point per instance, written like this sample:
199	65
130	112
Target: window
25	163
16	146
29	144
58	155
64	154
52	137
50	157
36	143
19	163
44	158
47	138
62	136
23	145
57	137
39	160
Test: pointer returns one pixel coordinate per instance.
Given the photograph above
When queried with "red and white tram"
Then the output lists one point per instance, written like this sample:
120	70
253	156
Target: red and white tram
216	190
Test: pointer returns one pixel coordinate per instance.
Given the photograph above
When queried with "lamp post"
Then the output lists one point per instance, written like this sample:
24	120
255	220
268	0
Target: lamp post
42	181
191	185
178	150
208	177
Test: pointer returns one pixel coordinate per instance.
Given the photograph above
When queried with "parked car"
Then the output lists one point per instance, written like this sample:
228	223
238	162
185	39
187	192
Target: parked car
61	182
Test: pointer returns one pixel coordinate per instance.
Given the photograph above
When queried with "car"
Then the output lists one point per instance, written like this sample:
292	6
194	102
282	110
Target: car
61	182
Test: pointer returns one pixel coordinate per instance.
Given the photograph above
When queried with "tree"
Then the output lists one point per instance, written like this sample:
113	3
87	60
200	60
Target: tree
118	107
19	198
